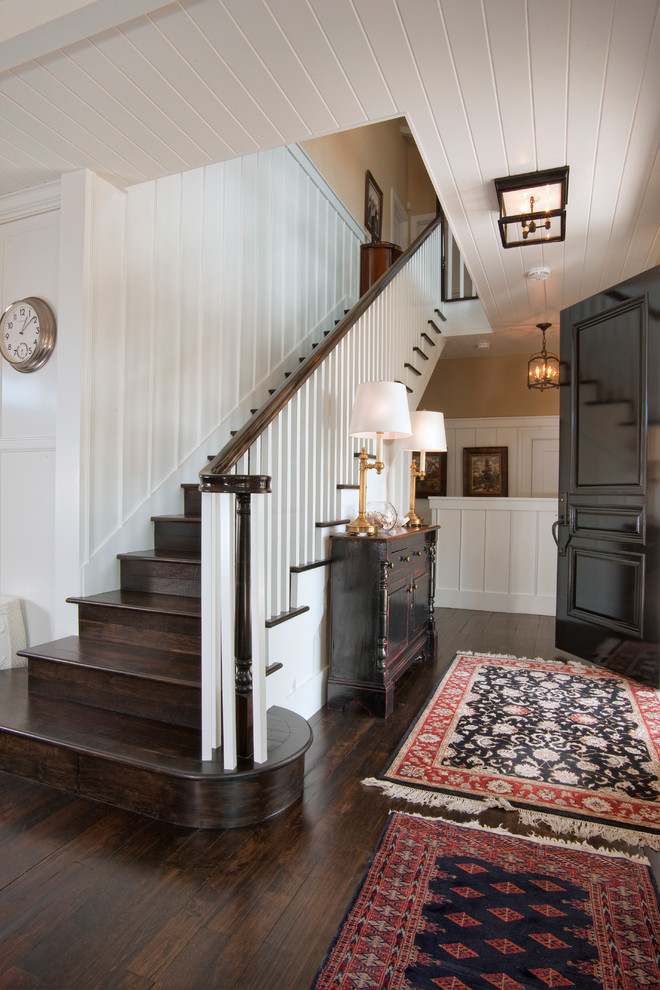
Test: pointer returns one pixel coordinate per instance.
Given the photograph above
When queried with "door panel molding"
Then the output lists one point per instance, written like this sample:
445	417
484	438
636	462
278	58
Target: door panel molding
589	571
616	522
602	411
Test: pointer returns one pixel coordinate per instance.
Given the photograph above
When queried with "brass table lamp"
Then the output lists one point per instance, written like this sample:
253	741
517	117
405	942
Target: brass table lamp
428	433
380	412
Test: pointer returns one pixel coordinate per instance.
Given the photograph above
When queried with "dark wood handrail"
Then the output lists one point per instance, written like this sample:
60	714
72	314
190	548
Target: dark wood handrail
241	442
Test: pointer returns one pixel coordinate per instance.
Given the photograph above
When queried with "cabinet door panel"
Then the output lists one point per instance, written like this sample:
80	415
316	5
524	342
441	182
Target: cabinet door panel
399	618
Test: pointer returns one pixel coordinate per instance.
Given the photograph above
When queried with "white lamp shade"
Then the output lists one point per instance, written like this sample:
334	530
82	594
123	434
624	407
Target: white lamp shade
380	409
428	432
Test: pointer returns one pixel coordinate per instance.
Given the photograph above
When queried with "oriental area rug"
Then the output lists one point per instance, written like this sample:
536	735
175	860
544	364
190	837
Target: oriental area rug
452	907
572	746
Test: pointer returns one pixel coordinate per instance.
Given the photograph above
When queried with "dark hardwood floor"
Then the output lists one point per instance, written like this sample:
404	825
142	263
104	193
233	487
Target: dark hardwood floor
94	898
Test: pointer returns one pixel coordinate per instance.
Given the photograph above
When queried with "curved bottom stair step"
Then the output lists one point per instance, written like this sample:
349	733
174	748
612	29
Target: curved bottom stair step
143	765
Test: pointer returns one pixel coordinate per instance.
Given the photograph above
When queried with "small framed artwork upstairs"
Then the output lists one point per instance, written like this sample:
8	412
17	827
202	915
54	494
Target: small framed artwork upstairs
485	471
373	207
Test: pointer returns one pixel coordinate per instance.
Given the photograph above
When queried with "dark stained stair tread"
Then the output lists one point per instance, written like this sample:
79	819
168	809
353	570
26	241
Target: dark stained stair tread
177	519
143	601
173	556
144	662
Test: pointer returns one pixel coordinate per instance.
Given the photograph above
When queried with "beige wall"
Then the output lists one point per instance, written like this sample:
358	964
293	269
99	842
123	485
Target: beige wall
421	194
473	388
393	160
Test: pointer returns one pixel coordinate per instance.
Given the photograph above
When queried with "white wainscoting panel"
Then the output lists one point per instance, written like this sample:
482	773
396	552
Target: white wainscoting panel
533	451
29	266
496	554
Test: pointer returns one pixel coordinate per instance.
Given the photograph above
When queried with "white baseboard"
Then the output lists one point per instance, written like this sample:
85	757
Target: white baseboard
489	601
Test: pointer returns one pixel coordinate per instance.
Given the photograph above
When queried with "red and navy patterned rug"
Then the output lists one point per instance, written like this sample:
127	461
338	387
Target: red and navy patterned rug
450	907
570	745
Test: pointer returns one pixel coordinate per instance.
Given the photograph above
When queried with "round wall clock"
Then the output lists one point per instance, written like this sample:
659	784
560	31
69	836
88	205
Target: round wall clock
27	333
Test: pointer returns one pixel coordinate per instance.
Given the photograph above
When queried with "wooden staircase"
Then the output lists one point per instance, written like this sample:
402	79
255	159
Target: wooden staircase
114	714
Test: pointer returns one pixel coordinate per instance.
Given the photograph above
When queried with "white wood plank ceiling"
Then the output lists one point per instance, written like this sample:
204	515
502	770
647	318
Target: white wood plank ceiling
135	89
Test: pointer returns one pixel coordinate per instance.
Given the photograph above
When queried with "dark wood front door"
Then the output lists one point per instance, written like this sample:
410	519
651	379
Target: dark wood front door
609	479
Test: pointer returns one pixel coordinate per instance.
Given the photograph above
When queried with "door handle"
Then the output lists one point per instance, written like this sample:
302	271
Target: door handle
564	541
555	527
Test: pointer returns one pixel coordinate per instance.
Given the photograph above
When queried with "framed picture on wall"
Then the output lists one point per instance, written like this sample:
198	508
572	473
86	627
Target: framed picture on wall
485	471
373	208
434	481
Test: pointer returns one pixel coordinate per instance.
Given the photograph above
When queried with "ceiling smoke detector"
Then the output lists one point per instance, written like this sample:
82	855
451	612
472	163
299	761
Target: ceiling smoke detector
538	274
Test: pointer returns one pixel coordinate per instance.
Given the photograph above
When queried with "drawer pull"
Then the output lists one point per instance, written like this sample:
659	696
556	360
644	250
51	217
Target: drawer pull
391	565
407	559
418	553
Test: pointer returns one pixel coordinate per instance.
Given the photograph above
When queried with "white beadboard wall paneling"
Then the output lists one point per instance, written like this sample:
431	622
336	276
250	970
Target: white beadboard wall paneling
191	311
497	565
217	281
213	291
107	362
29	265
473	550
140	344
495	554
167	369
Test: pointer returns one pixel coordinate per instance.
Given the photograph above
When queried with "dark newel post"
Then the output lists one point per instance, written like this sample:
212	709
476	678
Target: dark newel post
243	629
243	486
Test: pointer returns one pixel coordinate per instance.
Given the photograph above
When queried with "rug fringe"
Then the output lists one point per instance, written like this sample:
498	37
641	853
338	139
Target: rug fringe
546	840
582	830
577	665
434	799
587	830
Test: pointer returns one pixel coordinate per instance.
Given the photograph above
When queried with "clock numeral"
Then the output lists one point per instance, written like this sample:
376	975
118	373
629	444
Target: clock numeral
10	326
22	312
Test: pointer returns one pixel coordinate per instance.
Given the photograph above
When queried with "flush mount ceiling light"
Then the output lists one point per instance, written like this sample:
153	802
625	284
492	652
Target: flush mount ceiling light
543	368
533	207
538	274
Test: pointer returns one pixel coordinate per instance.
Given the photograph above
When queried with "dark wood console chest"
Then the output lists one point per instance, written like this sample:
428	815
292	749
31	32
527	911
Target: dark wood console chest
381	613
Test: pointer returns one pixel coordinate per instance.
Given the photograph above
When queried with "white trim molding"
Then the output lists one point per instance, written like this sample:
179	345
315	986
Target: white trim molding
30	202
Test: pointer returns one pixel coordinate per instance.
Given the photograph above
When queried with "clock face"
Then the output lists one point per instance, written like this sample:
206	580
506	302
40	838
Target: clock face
27	334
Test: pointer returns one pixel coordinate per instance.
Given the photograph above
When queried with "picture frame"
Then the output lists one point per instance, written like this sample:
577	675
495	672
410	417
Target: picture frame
373	207
434	481
485	471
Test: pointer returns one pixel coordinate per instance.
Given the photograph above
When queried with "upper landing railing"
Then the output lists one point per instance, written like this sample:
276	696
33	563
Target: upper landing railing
298	444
